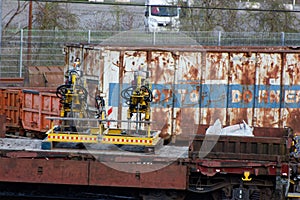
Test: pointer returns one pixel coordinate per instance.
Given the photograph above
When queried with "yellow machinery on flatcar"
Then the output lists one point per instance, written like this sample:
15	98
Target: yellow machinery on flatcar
74	121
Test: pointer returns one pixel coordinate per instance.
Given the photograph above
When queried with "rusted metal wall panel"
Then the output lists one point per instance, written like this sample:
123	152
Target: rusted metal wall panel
187	93
36	106
71	53
172	176
241	76
268	90
94	173
28	109
162	67
290	112
10	103
92	70
45	76
214	88
2	125
43	171
194	87
91	62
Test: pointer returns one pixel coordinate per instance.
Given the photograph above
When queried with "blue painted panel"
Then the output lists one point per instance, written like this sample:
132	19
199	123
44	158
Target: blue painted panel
291	96
218	96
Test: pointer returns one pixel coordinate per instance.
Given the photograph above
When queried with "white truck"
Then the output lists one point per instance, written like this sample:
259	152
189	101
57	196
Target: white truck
162	15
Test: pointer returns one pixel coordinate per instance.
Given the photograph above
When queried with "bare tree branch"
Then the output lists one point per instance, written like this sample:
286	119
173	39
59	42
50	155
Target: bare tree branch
20	8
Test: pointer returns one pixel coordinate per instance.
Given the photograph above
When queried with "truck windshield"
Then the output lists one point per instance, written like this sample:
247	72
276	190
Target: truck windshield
164	11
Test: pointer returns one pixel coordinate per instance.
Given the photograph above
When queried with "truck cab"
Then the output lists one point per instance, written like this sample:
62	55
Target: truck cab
162	15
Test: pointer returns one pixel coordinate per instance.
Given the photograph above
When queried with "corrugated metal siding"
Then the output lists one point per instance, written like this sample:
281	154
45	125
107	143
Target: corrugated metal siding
291	97
242	72
36	107
162	67
194	87
10	106
268	81
27	109
188	81
214	87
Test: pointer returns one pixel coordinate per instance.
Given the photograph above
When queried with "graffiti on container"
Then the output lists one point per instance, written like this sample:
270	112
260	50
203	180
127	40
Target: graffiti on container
216	96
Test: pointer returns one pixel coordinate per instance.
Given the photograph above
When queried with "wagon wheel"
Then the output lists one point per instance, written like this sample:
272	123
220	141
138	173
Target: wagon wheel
127	93
61	91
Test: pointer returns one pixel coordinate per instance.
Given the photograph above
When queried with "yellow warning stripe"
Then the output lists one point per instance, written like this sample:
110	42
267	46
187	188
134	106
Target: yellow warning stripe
105	139
72	138
117	139
126	140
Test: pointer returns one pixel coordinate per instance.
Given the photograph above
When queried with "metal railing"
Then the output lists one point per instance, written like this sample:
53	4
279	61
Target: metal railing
22	48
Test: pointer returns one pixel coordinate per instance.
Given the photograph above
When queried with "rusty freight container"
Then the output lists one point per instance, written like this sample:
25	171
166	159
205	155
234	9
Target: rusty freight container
27	109
11	82
10	107
36	106
45	76
193	86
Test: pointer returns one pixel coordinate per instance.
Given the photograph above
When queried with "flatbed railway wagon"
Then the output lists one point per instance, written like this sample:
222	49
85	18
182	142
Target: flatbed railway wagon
235	108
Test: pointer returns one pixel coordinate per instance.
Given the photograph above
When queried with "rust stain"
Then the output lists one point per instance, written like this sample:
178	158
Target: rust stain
192	73
21	154
292	119
162	178
292	69
269	66
242	68
237	115
217	66
267	117
44	171
162	67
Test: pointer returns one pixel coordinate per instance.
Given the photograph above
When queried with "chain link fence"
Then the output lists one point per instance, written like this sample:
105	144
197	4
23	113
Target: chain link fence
23	48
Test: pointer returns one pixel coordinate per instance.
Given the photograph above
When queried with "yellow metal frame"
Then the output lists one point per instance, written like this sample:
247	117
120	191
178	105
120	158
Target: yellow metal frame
63	137
128	140
104	139
108	136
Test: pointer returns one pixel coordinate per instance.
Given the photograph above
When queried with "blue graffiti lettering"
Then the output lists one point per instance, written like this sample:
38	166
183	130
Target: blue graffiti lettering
216	96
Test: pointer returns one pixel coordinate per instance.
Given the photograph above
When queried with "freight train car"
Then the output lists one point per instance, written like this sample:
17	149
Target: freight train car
237	110
26	110
253	89
194	86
